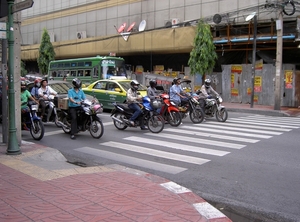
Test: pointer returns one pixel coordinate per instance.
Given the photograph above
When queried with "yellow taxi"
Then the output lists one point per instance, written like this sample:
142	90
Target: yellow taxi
108	91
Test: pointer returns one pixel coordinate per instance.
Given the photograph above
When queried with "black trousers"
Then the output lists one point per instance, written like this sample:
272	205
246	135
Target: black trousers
73	113
43	107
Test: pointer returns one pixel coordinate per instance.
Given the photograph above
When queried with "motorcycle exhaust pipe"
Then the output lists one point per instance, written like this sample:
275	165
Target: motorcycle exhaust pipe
118	120
59	123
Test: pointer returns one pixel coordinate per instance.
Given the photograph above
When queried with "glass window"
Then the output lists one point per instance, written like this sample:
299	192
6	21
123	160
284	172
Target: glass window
100	85
73	64
60	65
73	73
80	73
80	63
88	64
67	64
87	72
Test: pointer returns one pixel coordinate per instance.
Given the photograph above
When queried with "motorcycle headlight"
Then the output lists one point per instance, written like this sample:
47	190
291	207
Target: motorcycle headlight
195	100
34	107
220	100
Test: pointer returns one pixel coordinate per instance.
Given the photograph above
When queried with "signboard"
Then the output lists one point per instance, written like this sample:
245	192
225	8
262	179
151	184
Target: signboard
3	30
22	5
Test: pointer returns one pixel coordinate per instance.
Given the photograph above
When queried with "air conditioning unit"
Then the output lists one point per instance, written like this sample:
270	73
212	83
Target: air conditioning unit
52	36
81	35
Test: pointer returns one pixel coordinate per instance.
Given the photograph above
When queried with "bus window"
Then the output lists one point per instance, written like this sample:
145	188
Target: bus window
87	73
73	73
95	72
80	73
53	74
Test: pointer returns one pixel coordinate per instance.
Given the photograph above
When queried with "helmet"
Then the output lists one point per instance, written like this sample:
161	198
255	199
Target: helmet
134	84
175	80
156	104
153	83
207	83
44	80
23	85
76	83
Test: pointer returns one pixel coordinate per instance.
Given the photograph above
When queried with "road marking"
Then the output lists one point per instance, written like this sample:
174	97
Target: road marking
241	129
287	120
194	133
250	126
158	153
177	146
132	160
199	128
260	123
198	140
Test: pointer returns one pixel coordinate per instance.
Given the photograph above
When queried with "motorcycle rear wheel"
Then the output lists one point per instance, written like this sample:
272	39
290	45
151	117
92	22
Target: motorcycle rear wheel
197	115
118	125
96	129
222	115
37	130
156	123
174	118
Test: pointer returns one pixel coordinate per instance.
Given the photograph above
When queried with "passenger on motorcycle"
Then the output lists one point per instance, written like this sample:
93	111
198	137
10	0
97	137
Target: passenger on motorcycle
75	95
25	95
177	93
44	93
133	100
152	92
205	92
35	89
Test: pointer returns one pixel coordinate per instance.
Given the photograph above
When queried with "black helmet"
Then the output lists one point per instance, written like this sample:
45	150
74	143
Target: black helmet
207	83
76	83
134	84
153	83
175	80
23	85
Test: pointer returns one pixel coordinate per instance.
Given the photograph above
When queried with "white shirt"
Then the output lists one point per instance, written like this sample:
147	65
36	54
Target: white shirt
45	93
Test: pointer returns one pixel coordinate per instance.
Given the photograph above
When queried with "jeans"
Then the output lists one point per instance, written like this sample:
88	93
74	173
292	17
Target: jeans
137	112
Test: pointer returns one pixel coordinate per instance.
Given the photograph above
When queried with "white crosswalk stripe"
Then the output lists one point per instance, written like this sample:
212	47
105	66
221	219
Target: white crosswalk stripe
189	142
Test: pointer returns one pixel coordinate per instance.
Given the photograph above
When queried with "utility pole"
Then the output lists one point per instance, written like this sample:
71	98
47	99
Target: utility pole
278	73
13	146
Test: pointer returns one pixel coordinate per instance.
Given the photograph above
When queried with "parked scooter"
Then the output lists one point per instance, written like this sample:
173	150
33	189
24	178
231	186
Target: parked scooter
213	107
170	111
32	122
87	119
122	113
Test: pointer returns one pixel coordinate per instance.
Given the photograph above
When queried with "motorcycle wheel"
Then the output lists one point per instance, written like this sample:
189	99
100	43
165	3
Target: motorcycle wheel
197	115
96	129
156	124
118	125
174	118
37	130
222	115
67	125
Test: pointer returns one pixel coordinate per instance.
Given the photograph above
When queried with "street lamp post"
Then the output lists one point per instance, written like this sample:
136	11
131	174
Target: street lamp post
254	17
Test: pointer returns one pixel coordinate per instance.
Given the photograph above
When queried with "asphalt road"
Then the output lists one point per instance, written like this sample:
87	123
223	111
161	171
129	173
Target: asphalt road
249	164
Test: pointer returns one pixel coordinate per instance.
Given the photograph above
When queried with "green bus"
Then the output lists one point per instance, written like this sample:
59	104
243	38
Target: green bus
87	69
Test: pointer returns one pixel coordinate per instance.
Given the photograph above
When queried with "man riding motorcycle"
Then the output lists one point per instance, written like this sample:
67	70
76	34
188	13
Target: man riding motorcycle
177	93
133	100
205	92
44	94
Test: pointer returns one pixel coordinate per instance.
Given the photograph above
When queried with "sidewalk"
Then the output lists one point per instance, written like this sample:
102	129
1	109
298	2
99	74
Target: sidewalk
39	185
262	109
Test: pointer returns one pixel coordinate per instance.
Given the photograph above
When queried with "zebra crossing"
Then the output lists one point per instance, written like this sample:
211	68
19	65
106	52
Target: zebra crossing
192	143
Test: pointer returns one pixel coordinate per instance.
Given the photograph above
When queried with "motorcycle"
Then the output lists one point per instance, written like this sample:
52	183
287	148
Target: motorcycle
214	107
122	113
170	111
87	119
51	112
191	108
33	122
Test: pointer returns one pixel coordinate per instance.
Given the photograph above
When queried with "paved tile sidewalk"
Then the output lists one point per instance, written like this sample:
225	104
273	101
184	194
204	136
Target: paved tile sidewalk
38	186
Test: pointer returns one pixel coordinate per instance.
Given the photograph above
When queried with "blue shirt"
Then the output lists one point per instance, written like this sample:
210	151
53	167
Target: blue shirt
77	96
173	93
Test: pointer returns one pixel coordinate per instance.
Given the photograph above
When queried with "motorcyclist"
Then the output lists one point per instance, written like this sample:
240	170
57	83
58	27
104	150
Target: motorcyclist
34	91
133	100
76	96
177	93
25	95
206	92
44	94
152	92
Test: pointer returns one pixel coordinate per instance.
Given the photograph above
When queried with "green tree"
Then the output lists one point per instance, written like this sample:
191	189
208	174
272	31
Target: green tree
46	53
23	69
203	56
